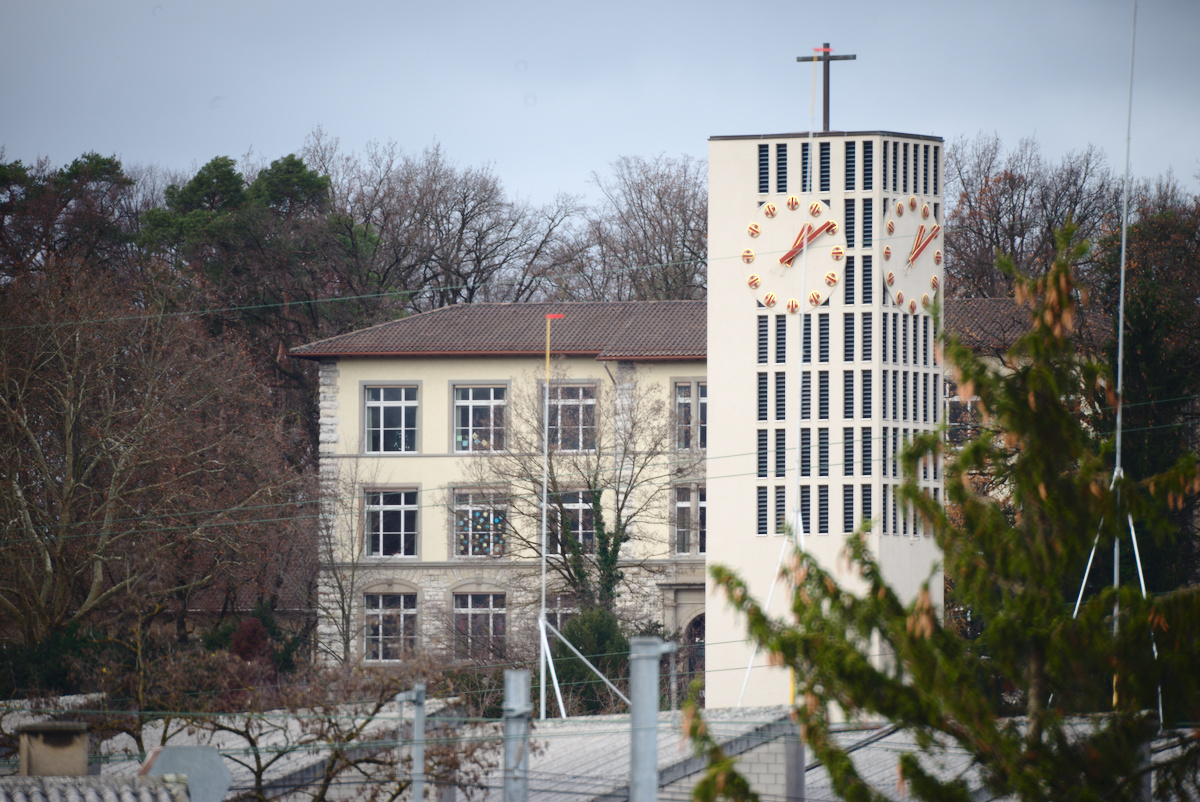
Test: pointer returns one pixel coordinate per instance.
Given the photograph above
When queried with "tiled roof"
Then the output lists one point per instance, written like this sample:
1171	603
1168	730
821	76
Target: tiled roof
636	330
93	789
994	324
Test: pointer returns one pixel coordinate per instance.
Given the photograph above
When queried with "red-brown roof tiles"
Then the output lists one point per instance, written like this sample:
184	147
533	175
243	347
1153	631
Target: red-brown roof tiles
649	330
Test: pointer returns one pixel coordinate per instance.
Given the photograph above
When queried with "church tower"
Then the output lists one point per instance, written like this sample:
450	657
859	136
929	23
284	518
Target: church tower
824	265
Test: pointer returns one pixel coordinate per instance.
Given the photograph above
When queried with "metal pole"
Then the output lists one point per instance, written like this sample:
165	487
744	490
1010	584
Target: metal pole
544	654
516	735
644	654
418	749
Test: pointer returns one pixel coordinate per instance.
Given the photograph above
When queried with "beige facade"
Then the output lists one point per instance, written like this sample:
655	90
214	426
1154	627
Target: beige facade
871	368
431	473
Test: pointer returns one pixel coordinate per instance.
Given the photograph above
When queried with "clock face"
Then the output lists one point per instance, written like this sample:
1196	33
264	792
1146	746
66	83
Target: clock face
777	241
912	254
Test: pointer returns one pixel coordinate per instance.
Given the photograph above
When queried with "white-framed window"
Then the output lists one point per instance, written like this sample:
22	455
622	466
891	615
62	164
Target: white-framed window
572	424
391	419
561	608
479	524
691	415
390	631
391	523
479	418
691	519
479	625
575	523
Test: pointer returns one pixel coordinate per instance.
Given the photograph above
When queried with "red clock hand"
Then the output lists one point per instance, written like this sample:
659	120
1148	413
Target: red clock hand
828	224
922	246
916	243
797	246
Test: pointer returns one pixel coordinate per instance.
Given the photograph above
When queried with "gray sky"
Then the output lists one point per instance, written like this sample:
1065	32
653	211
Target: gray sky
549	92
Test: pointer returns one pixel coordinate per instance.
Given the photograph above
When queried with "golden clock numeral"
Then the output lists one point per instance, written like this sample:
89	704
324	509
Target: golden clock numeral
912	307
899	209
754	229
912	202
769	299
937	257
900	298
793	305
925	210
891	227
891	279
831	278
770	210
925	300
933	283
814	209
814	298
793	203
754	281
747	256
887	253
837	254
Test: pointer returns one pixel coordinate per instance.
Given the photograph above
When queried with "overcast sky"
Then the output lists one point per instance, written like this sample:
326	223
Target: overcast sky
547	92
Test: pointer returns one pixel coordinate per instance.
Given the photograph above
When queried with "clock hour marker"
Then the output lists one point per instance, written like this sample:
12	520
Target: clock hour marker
793	305
814	209
793	203
831	278
887	253
891	227
899	209
937	257
912	202
933	283
891	278
925	210
769	299
754	281
814	298
747	256
770	210
837	254
900	298
754	229
912	307
925	300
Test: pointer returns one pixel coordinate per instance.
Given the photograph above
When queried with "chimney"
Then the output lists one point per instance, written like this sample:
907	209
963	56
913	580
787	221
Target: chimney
54	749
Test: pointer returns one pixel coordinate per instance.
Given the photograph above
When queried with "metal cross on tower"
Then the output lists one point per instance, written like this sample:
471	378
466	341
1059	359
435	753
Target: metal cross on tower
826	56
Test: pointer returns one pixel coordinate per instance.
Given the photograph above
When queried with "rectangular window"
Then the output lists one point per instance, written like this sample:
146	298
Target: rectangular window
850	166
683	520
867	279
866	452
823	337
895	516
904	396
571	520
806	452
935	173
763	403
895	337
848	336
823	395
702	390
868	166
391	419
848	220
683	415
926	171
884	355
781	169
885	168
561	608
925	397
823	509
479	625
905	171
572	422
764	515
925	344
887	527
883	395
805	396
390	628
763	459
848	280
868	223
866	503
883	458
391	523
916	396
691	517
904	340
805	181
764	169
806	338
867	320
479	418
805	519
848	451
895	453
780	511
848	394
780	452
781	396
915	148
866	393
824	146
895	166
479	524
781	339
847	509
763	343
822	452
